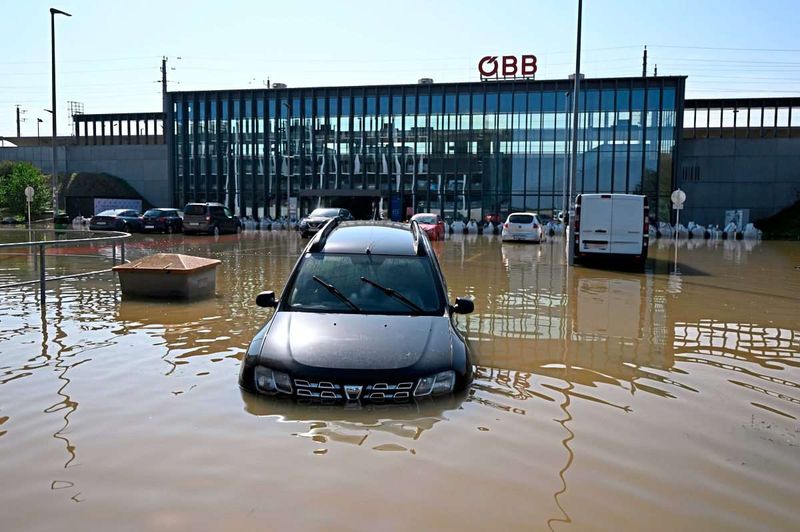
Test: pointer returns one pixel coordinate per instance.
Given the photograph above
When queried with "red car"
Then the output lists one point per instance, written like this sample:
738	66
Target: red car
432	224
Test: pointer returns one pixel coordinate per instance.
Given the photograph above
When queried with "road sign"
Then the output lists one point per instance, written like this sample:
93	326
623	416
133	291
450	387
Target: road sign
678	197
28	194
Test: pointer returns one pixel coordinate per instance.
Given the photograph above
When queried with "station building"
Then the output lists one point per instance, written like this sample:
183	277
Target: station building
463	150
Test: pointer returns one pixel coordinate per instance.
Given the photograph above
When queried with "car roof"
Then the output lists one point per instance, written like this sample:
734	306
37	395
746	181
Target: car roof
381	238
526	213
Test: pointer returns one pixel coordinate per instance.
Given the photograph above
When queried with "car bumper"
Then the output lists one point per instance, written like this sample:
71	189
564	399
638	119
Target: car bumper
521	237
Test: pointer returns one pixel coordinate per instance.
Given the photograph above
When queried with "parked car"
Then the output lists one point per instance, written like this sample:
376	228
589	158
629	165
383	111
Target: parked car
363	317
162	221
116	220
612	226
318	218
432	224
524	226
213	218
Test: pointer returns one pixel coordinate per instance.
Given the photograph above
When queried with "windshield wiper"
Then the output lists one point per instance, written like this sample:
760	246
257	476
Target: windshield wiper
335	291
394	293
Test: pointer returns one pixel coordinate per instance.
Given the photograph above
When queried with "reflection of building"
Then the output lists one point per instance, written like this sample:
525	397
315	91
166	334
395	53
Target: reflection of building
461	149
608	324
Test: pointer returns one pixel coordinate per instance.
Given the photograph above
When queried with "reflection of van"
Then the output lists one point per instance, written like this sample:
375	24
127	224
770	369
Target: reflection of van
611	225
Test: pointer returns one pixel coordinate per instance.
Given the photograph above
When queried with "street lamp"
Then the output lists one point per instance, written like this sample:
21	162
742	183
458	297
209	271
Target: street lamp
38	121
53	13
574	158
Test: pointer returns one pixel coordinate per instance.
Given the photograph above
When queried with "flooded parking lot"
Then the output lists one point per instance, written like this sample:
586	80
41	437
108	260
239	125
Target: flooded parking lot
602	400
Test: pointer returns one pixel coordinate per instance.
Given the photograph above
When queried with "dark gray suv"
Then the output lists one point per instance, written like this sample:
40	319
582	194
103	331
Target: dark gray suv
319	217
364	316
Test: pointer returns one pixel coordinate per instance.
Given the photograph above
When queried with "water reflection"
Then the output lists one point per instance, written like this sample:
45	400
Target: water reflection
360	425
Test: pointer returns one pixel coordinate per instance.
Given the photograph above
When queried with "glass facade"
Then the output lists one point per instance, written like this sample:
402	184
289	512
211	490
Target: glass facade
462	150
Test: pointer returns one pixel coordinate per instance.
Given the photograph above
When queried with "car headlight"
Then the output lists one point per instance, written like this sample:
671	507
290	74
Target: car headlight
303	223
271	382
438	384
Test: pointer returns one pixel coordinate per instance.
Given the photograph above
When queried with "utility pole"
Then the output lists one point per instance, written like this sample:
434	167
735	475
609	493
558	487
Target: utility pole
19	119
644	63
164	76
574	158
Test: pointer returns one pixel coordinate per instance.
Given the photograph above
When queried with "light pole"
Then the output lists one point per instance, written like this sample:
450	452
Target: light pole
574	157
53	13
288	158
38	121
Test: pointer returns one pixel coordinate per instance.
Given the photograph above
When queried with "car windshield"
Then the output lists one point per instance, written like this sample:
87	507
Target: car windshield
409	276
425	219
111	212
520	219
195	210
324	213
154	213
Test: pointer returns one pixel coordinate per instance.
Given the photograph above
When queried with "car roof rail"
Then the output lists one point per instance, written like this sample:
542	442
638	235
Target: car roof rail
419	248
319	241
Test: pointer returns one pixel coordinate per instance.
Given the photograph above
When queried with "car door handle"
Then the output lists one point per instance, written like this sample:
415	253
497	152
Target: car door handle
600	231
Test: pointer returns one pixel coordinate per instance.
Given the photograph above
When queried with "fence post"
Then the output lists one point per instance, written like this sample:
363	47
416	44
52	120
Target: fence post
113	253
122	251
41	272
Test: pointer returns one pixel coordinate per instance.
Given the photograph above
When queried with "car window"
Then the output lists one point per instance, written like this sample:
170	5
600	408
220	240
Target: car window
425	219
154	213
411	276
107	213
129	214
195	210
346	213
227	212
215	211
325	213
520	219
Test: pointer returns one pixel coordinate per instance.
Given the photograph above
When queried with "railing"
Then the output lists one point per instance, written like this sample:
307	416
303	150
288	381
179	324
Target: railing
114	238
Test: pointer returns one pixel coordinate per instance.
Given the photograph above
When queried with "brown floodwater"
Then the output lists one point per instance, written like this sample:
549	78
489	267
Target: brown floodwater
602	400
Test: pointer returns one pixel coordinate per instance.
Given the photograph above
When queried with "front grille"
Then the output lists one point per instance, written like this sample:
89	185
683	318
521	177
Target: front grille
333	392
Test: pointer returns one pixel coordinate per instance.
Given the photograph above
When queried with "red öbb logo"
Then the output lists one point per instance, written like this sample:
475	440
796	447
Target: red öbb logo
509	66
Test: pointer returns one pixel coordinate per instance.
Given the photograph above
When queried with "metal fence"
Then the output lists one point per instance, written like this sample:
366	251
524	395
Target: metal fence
38	248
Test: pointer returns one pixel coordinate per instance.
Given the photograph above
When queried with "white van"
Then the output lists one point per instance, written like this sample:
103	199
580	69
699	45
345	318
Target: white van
611	225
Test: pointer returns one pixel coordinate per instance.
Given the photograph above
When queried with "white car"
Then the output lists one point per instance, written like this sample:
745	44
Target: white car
523	226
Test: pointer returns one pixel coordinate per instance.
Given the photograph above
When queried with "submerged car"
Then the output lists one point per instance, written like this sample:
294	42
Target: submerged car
116	220
524	226
432	224
364	316
318	218
213	218
162	221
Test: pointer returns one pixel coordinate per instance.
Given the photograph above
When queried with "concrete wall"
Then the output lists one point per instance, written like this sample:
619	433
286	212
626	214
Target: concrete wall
762	175
143	166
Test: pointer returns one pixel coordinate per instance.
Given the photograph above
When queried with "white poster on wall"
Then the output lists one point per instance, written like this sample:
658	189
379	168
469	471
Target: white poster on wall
105	204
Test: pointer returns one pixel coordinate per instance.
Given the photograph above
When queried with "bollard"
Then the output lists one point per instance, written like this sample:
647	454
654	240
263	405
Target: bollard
122	251
41	271
114	253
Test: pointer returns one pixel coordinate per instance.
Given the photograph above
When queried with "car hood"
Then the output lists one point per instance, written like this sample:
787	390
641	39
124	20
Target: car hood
357	341
317	219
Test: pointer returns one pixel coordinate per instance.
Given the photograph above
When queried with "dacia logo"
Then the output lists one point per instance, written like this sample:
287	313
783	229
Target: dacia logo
352	391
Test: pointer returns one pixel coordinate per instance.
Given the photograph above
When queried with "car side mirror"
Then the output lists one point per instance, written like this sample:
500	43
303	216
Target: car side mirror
463	306
266	299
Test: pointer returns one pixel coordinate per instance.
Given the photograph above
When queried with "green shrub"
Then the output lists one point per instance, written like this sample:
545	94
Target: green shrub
14	178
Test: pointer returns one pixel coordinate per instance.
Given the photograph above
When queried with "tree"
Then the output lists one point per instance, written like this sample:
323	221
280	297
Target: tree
13	181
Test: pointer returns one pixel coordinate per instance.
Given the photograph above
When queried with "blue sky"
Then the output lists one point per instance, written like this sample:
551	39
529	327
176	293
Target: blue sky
108	52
